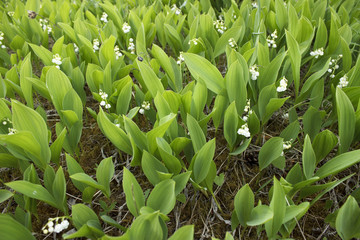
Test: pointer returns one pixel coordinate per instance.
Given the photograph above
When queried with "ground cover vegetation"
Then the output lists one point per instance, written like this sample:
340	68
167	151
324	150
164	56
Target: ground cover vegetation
160	119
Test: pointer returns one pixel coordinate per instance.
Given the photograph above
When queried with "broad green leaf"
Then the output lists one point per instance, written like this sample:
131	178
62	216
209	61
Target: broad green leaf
184	233
293	211
236	32
278	206
181	181
242	147
323	143
59	189
346	120
81	215
273	105
151	166
104	174
159	131
295	58
86	179
56	147
271	71
270	151
32	190
199	67
152	82
260	215
115	134
26	86
5	195
133	193
231	125
163	197
196	134
244	204
236	86
308	158
44	54
203	160
348	220
12	229
338	164
136	134
147	226
165	63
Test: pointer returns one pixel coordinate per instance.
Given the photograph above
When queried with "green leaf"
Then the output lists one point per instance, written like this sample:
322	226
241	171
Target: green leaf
82	214
199	67
293	211
323	143
86	179
151	167
148	226
104	174
163	197
231	125
181	181
26	86
27	119
151	81
133	193
165	63
236	32
5	195
203	160
32	190
115	134
273	105
159	131
346	120
244	204
136	134
260	215
270	151
56	147
44	54
196	134
348	220
278	206
338	164
59	189
308	158
295	58
184	233
11	229
236	86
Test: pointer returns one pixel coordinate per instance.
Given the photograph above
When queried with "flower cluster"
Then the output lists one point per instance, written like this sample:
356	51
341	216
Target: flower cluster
104	17
11	13
57	60
318	52
53	225
232	43
131	46
126	27
283	85
220	26
96	44
195	41
254	70
144	106
1	39
104	101
175	9
334	66
76	48
11	131
244	130
271	40
117	52
180	59
286	146
6	121
343	82
254	5
44	25
247	111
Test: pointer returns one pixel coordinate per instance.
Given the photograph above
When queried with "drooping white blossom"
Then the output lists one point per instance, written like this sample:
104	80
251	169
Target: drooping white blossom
244	130
126	27
104	17
283	85
254	70
318	52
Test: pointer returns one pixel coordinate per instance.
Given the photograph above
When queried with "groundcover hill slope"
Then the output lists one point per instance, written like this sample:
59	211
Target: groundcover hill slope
180	120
